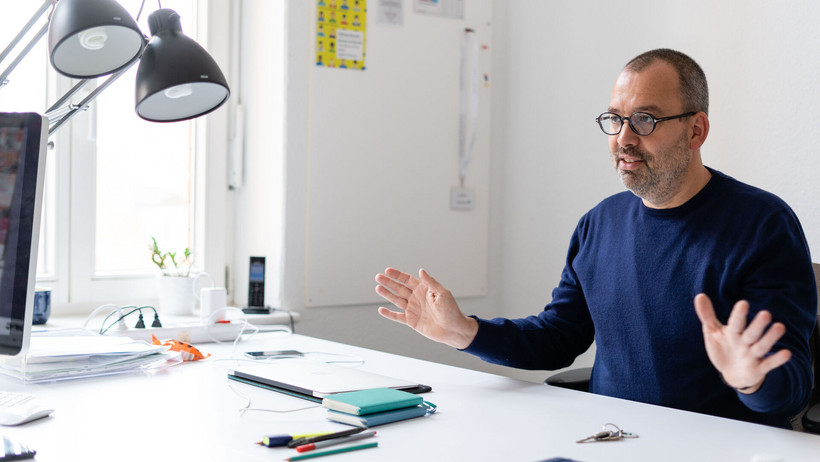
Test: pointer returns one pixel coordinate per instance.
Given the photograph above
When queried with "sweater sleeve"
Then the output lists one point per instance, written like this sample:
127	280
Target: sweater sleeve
781	280
550	340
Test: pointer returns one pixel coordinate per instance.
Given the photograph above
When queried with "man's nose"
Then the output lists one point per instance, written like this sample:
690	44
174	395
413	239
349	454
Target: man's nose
627	137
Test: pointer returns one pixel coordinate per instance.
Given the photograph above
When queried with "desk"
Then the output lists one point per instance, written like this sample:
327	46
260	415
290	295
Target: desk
190	412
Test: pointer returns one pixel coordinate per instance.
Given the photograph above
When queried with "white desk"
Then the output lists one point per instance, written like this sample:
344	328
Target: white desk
190	412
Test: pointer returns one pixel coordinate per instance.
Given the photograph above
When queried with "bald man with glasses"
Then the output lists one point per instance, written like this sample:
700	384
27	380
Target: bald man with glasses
697	289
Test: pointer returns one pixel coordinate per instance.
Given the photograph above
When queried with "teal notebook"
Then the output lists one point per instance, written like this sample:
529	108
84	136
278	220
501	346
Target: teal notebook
381	418
370	401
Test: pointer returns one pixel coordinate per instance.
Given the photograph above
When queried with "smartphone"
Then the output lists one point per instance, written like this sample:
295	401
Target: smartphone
273	354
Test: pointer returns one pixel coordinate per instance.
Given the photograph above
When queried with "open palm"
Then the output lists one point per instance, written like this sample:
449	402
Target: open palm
740	352
426	306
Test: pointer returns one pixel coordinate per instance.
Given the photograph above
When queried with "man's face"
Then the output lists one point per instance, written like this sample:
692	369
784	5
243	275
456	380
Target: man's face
653	167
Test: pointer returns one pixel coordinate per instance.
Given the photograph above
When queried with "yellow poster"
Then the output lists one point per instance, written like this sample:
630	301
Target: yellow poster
340	33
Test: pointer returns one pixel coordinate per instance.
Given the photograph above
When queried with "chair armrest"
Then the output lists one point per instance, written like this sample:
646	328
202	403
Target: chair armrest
573	379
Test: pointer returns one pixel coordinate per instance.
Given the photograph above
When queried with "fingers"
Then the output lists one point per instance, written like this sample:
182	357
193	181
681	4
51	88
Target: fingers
392	315
763	346
402	277
706	313
774	361
394	286
737	318
400	302
756	328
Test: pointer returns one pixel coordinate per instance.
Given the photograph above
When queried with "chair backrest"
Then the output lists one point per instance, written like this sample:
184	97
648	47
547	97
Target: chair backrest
815	339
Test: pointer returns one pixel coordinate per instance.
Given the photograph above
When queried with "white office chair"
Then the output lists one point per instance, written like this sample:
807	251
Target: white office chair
578	379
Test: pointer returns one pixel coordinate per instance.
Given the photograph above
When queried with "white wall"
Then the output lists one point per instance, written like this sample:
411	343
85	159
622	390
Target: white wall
554	66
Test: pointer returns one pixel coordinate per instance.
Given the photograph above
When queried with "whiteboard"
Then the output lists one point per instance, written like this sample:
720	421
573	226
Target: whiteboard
383	156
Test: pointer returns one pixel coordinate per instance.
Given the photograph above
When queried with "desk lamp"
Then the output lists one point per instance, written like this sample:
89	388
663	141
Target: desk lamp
177	79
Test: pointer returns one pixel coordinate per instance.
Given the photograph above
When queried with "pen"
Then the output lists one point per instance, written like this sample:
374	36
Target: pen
311	455
283	439
333	442
329	436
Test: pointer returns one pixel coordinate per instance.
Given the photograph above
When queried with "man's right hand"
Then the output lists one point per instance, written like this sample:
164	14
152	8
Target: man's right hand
426	306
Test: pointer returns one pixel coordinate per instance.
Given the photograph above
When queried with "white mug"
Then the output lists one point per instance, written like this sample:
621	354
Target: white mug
212	299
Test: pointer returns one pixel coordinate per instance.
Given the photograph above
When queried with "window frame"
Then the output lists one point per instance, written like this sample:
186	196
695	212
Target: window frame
75	287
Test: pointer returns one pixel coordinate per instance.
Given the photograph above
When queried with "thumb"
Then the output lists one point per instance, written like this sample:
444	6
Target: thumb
706	312
429	280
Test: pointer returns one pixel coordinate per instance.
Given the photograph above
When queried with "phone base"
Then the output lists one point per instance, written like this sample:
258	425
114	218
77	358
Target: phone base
256	310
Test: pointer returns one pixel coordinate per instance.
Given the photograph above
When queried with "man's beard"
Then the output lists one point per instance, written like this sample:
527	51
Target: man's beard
662	175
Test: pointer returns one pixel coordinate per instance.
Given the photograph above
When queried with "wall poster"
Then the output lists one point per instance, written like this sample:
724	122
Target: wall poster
340	33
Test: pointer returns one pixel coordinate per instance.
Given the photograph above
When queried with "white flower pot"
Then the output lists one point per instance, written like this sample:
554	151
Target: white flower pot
176	295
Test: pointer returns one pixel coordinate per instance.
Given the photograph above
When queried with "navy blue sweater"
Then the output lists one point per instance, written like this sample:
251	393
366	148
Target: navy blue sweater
629	282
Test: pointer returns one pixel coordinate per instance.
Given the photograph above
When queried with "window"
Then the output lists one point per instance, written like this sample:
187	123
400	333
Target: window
114	181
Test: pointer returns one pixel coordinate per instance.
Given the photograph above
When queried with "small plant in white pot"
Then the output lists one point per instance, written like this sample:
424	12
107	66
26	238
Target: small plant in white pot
176	287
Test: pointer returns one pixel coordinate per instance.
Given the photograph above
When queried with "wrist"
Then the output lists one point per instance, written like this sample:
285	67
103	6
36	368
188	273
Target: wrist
464	334
748	389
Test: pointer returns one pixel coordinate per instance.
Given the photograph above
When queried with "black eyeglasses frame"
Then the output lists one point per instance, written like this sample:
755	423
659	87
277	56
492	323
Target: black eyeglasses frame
623	119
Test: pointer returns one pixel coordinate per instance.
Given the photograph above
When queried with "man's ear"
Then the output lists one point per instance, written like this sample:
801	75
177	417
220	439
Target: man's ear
700	129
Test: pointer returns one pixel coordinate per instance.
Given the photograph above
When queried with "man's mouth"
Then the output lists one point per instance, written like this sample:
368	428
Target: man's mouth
630	163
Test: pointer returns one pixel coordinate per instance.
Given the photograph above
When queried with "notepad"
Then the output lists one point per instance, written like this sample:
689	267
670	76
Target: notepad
371	401
381	418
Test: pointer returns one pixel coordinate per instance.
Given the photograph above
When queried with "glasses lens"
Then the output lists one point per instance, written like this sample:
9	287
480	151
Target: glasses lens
642	123
610	123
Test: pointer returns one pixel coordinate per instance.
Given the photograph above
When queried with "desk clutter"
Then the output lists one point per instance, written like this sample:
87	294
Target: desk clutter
77	353
361	408
378	406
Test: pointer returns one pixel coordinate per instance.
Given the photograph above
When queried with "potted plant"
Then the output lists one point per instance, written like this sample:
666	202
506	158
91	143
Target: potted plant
176	287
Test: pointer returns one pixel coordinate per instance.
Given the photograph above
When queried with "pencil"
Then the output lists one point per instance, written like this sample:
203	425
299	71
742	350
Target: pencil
311	455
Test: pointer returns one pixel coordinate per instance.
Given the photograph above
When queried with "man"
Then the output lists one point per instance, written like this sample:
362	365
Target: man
637	263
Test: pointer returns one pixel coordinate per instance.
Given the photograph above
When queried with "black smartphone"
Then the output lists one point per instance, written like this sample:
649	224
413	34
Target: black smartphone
273	354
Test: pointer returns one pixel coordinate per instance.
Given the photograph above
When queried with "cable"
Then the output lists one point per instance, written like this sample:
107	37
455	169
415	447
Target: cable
97	310
135	308
247	407
292	322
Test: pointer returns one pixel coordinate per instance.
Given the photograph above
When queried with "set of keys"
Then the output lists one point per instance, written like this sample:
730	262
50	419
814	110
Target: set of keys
609	432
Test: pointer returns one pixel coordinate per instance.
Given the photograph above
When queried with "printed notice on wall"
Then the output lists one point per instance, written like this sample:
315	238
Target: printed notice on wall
390	12
445	8
340	33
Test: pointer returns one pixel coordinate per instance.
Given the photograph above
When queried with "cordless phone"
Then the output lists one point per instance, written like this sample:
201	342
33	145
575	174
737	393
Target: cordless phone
256	286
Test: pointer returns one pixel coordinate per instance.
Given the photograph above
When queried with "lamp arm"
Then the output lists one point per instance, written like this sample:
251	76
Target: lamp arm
82	105
60	102
20	35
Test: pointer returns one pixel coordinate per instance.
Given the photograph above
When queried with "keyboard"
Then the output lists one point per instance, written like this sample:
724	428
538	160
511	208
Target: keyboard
19	408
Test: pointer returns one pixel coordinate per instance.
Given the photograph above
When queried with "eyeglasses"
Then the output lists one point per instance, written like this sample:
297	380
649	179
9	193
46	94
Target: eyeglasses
641	123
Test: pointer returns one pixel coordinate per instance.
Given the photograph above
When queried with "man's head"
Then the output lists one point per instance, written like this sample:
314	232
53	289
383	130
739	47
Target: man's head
657	150
694	92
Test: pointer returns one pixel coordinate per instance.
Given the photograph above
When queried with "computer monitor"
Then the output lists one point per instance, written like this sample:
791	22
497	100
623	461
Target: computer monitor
23	143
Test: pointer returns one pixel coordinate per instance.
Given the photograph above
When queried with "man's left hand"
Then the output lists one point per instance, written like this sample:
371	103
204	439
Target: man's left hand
740	352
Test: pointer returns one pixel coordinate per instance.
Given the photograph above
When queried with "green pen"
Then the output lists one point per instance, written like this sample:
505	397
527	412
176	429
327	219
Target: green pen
311	455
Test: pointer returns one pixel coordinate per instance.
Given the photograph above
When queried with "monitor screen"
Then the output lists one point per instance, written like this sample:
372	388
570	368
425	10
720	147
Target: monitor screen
23	142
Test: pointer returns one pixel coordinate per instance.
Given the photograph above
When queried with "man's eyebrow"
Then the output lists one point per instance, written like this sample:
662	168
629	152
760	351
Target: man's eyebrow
651	108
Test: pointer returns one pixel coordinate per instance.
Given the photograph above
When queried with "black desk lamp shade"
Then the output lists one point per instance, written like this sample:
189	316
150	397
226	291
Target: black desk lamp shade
176	79
92	38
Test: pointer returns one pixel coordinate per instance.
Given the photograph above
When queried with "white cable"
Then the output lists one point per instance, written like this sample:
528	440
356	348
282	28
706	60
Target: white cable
113	308
247	406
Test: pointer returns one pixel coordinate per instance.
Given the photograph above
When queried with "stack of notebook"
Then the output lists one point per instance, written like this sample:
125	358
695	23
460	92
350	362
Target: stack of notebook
377	406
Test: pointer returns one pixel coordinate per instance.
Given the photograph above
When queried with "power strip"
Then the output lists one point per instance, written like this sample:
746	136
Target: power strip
185	332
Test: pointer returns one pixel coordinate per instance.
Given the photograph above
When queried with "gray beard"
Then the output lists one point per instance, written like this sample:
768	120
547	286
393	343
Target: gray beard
658	185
